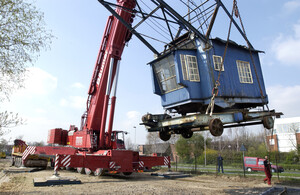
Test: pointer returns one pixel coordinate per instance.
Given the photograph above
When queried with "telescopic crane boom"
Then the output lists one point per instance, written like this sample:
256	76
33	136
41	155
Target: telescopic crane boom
95	147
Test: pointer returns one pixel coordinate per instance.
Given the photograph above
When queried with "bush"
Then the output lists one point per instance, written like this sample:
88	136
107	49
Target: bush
290	166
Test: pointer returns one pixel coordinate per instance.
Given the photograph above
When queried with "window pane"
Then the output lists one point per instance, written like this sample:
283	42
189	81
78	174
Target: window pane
166	75
244	71
193	68
218	62
184	67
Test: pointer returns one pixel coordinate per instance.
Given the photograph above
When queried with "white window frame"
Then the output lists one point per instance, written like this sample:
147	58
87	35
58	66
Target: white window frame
217	64
162	69
190	70
244	71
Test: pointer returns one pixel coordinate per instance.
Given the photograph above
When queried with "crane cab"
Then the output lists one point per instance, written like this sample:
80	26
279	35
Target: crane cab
184	76
118	139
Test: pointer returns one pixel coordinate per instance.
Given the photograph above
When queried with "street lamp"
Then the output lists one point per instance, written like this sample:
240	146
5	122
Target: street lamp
134	135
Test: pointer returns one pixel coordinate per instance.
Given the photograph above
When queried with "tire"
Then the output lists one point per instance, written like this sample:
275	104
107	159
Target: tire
80	170
88	171
99	172
273	170
18	161
12	161
187	134
52	163
249	169
127	173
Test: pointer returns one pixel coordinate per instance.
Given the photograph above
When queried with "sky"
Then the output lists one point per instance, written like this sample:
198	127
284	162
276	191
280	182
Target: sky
56	88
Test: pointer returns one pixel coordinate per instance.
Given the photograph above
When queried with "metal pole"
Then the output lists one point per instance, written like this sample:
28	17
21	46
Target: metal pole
204	150
134	135
176	161
244	163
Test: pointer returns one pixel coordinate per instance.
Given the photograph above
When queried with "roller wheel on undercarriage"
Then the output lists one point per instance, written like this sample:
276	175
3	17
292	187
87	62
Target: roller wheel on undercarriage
164	135
268	122
216	127
187	134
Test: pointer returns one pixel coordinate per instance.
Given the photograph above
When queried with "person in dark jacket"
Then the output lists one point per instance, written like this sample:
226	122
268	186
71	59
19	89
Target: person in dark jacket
267	169
220	163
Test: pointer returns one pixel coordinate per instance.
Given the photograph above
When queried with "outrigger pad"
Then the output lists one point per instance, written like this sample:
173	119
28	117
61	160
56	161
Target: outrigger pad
55	181
22	170
171	175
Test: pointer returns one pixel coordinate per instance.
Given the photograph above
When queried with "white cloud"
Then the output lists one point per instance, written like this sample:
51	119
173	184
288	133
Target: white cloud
287	47
77	85
285	99
77	102
40	111
133	119
37	82
132	114
291	6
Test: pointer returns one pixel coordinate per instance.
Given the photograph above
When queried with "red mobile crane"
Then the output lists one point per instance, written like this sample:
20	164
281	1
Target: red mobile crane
92	147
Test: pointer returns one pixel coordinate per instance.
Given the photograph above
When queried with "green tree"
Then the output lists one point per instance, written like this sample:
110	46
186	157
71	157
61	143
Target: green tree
22	36
183	149
192	147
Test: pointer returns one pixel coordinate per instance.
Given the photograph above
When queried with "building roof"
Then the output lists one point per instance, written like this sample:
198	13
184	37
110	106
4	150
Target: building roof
156	148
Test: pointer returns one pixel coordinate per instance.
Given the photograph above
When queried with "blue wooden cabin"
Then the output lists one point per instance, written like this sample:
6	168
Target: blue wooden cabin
184	77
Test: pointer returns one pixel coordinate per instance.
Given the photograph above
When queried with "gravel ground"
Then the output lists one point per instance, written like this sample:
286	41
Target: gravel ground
138	183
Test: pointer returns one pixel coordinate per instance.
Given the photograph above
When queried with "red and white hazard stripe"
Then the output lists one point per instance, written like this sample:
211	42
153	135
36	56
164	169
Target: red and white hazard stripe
141	164
29	150
56	163
112	164
66	161
166	160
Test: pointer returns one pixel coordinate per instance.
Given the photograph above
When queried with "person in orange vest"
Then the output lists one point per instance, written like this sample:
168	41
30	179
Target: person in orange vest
267	170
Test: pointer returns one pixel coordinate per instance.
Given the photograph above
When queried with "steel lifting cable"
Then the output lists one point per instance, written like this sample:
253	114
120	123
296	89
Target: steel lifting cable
237	14
215	90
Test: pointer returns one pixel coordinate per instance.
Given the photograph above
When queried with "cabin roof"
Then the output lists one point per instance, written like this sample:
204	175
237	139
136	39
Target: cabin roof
232	43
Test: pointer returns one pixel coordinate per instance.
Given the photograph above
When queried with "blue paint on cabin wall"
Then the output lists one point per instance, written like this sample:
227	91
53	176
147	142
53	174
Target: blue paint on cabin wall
231	91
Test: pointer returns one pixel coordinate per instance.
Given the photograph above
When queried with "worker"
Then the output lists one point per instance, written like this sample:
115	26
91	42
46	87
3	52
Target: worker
267	170
220	163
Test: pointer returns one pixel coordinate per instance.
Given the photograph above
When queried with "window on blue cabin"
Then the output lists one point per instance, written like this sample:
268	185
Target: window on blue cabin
218	62
189	68
244	71
166	75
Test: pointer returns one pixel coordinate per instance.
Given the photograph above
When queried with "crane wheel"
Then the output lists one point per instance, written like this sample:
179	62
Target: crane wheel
216	127
268	122
99	172
165	136
187	134
80	170
88	171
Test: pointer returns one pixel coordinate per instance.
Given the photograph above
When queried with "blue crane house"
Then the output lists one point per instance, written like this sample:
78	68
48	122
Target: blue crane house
184	78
